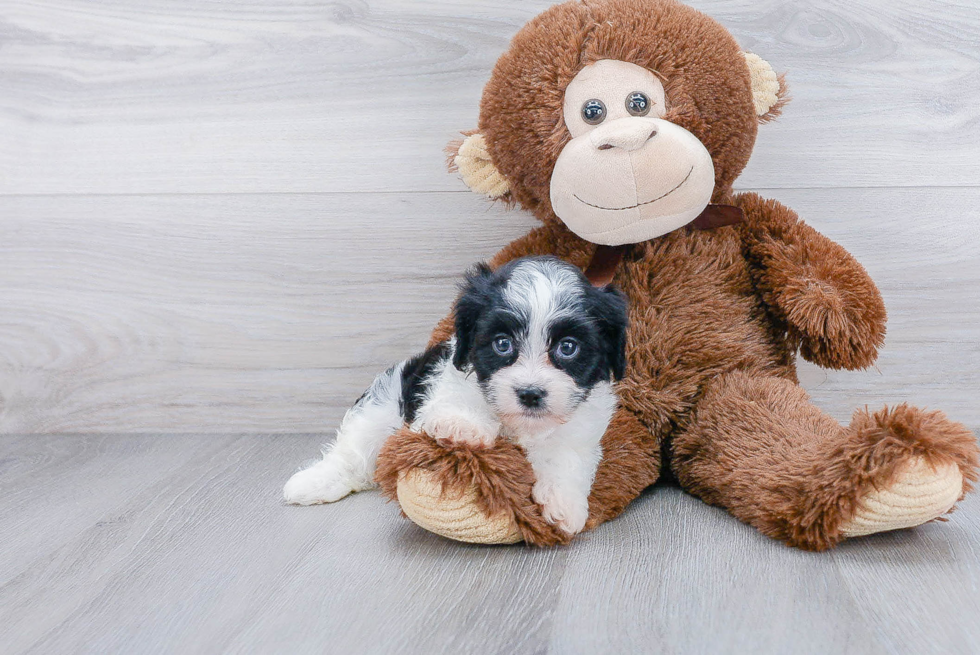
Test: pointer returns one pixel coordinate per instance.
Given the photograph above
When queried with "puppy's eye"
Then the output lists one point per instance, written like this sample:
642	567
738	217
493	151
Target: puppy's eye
638	104
567	348
593	111
502	345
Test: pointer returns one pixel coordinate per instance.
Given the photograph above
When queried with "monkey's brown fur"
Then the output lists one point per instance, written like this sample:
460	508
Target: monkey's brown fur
716	317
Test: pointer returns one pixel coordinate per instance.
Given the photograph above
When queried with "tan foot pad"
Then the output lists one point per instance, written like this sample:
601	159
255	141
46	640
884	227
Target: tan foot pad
453	515
918	495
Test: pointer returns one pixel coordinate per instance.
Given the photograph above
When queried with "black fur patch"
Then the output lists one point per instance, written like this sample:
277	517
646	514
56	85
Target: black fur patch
607	306
477	295
416	378
589	365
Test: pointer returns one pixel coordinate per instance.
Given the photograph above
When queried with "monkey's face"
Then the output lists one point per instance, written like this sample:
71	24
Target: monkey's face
627	175
621	119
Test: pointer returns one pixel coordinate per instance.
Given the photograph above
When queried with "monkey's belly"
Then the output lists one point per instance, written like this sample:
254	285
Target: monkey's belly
674	350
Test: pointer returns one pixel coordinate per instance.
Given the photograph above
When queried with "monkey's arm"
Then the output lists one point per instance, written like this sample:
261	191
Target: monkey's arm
549	239
815	286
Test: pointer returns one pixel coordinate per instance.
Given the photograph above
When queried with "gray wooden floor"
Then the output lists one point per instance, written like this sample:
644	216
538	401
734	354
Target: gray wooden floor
219	220
179	544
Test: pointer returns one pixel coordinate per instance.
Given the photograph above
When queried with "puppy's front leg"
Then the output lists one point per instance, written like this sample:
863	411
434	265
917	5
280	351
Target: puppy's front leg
456	411
563	480
565	461
456	423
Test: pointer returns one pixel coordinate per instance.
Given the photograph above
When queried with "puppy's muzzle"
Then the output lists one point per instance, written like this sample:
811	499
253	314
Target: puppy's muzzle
531	397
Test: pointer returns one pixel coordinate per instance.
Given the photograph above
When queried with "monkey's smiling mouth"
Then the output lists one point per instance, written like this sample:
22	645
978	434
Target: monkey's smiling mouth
639	204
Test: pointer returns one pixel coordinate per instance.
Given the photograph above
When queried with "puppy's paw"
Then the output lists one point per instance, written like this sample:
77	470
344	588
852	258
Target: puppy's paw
461	430
567	510
324	482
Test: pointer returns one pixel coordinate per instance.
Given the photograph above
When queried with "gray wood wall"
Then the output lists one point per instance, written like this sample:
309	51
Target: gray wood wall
226	217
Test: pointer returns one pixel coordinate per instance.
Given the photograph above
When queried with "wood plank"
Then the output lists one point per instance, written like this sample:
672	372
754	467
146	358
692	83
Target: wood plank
204	558
674	575
179	97
934	570
56	470
212	561
272	313
682	577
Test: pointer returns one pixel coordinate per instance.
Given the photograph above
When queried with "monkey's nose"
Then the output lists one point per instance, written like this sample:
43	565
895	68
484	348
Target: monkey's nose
531	397
626	133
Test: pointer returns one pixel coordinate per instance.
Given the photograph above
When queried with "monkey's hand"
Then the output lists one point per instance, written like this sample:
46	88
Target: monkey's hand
829	303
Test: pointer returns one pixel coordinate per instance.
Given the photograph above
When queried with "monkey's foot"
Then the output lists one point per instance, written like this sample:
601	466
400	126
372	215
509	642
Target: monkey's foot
918	494
452	514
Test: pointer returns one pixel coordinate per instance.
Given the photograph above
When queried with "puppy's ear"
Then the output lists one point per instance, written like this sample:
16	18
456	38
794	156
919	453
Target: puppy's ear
608	308
473	299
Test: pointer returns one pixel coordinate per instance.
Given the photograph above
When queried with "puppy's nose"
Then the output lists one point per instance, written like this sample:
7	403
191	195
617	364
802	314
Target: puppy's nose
531	397
626	133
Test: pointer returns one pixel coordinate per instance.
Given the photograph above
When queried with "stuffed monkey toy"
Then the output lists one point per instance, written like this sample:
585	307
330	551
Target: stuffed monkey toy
622	125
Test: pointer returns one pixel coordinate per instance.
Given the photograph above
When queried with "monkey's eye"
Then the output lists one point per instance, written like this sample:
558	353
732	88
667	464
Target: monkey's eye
502	345
638	104
567	348
593	111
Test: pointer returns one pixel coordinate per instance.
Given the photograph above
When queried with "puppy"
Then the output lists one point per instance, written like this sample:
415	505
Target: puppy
535	351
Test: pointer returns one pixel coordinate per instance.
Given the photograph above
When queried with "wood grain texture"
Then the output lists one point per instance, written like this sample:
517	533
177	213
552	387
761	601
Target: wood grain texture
227	97
272	313
221	313
180	544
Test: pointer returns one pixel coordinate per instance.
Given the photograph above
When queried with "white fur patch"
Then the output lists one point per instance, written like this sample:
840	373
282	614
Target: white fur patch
540	292
536	370
454	409
348	464
565	460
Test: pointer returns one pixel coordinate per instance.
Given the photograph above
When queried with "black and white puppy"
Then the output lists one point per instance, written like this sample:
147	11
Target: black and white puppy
535	352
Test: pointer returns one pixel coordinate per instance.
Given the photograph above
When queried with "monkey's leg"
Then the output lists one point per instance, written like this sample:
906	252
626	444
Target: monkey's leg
483	495
757	447
630	463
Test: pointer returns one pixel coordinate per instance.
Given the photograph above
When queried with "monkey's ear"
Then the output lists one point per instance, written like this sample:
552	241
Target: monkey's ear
768	89
471	159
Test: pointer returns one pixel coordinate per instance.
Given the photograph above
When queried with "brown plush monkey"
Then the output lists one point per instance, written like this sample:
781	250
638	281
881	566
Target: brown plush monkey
617	122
